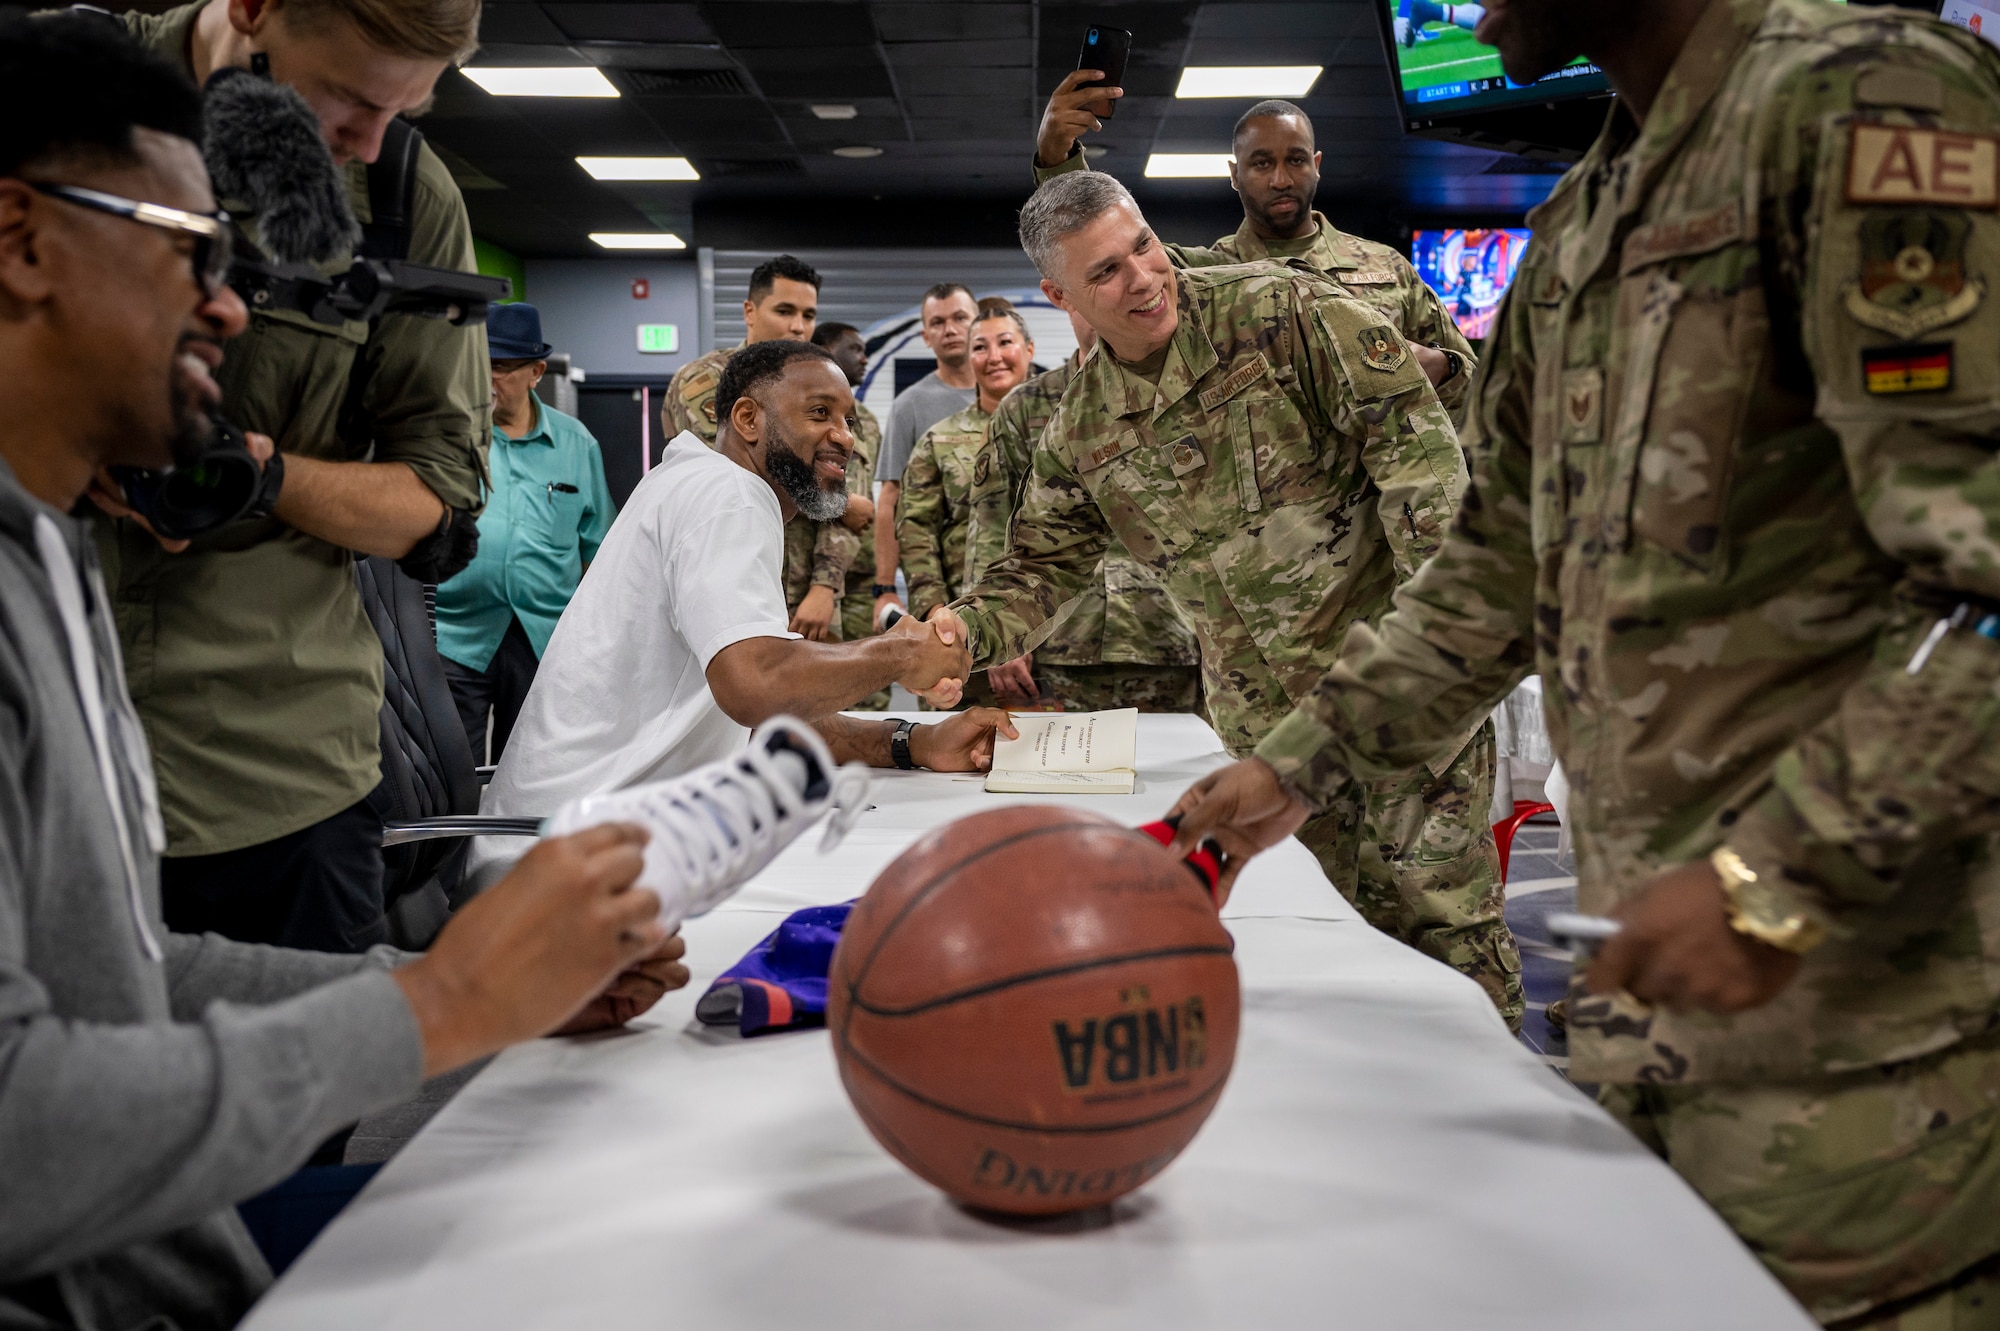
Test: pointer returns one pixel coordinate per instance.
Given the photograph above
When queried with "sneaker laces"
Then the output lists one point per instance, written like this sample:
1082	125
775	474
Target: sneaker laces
715	827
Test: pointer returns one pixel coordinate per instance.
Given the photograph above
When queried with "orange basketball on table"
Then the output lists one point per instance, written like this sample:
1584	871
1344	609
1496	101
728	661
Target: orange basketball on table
1034	1009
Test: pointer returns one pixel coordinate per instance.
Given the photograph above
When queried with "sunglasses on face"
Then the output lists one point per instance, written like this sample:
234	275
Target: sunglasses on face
214	246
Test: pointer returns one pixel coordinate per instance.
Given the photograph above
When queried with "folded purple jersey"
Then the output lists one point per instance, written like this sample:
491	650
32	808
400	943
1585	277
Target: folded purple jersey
781	984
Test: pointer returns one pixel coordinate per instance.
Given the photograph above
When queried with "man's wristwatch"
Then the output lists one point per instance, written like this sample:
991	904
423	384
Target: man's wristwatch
882	589
1454	363
1756	912
899	746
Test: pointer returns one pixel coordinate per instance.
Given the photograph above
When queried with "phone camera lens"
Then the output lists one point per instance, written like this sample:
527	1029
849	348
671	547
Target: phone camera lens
1092	39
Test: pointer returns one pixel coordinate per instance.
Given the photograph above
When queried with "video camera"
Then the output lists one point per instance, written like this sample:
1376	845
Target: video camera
263	145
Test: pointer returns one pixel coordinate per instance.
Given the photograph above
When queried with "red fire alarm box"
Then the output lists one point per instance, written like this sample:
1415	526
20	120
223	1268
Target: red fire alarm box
641	288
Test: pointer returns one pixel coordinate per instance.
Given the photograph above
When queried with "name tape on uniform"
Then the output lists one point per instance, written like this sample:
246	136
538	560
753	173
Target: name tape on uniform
1908	164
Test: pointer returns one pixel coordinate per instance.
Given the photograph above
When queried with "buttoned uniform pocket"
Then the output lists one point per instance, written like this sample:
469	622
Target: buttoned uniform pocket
1135	488
1277	458
1698	339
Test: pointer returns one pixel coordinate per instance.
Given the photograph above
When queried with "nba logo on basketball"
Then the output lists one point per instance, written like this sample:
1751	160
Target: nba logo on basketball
1132	1052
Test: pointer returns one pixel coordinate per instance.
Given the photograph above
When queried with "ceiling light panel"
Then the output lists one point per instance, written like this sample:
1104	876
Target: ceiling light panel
540	81
639	168
1186	166
638	240
1248	80
834	111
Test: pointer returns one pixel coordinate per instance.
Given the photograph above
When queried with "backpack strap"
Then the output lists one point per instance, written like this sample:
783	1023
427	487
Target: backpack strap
392	188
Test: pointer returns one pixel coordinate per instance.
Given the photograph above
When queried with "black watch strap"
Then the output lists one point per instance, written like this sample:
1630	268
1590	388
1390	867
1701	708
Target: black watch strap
1453	363
882	589
899	746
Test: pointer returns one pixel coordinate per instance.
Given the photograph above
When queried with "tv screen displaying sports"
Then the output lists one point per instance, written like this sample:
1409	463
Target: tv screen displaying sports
1443	69
1470	269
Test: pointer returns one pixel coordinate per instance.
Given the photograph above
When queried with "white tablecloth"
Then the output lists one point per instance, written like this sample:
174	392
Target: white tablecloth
1385	1156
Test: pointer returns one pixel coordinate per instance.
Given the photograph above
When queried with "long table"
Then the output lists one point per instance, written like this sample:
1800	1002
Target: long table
1385	1156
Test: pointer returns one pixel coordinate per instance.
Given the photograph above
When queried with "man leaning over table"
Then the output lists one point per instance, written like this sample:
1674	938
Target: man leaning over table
548	511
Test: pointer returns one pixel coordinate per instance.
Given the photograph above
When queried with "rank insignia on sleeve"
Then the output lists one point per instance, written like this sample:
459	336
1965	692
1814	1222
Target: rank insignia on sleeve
1913	274
1380	349
1907	164
1918	369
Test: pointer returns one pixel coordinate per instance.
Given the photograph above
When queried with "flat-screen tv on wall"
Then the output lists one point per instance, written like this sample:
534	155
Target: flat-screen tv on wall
1470	268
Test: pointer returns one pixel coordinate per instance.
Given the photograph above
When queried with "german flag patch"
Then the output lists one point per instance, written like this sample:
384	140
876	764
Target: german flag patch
1907	369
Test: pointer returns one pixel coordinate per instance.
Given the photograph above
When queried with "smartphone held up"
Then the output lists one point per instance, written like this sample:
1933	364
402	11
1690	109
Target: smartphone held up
1105	49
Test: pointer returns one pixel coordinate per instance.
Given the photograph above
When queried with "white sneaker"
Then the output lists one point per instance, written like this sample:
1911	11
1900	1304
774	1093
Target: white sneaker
715	827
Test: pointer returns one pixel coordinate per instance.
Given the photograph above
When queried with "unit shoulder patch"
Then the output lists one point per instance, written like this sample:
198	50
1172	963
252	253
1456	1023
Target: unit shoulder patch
1381	349
1913	277
1907	164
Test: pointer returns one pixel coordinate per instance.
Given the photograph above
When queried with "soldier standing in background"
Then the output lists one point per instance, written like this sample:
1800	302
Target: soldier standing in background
1120	644
1272	450
1275	171
783	302
934	514
815	552
1736	501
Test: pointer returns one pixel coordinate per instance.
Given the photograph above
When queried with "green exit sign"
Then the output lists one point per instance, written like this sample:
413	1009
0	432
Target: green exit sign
659	338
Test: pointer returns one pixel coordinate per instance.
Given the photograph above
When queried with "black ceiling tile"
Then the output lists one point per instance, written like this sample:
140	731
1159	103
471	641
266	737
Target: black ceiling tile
836	76
500	23
746	24
960	55
681	83
630	22
943	80
929	21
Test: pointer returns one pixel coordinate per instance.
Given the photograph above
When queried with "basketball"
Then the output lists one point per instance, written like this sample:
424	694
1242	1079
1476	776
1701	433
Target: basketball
1034	1009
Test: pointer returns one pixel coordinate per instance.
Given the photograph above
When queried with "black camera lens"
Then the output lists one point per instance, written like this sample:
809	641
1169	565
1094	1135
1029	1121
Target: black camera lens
211	492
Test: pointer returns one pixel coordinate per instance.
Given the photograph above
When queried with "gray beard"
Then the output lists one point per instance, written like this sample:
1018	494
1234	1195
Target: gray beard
795	477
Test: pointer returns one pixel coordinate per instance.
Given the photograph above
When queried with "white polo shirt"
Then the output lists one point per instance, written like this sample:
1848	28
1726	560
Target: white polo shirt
694	563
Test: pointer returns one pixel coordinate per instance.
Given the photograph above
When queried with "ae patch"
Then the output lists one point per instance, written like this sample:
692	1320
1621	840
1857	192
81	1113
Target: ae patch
1913	277
1907	164
1381	349
1908	369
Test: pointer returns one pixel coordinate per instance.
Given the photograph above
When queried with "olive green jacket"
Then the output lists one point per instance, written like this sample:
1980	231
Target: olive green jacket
255	669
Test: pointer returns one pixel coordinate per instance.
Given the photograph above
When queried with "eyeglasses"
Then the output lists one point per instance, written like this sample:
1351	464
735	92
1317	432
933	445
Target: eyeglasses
214	245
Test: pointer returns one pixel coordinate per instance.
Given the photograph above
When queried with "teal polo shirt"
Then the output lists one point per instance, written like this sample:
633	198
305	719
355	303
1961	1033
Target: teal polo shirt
544	519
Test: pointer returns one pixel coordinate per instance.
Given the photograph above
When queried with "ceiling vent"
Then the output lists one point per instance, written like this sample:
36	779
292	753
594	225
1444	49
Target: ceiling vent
752	166
684	82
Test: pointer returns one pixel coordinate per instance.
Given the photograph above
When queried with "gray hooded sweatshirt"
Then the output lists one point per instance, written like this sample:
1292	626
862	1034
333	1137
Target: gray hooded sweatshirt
147	1080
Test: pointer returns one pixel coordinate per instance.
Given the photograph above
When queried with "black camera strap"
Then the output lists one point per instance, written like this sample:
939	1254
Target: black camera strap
392	188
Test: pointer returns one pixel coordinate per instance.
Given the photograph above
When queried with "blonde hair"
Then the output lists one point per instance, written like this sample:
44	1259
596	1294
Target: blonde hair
416	29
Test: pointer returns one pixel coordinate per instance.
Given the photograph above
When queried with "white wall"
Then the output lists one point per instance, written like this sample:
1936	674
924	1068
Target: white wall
588	310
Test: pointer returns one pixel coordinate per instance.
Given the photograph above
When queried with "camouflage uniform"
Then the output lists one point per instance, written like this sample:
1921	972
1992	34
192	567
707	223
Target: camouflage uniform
1729	472
1290	466
689	403
857	602
1372	273
1120	644
933	513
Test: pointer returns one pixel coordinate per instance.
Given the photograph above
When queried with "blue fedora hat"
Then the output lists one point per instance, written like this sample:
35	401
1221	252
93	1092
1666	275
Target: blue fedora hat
514	332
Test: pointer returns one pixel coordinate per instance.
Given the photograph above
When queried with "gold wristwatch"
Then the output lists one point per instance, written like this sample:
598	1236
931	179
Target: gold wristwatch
1756	912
